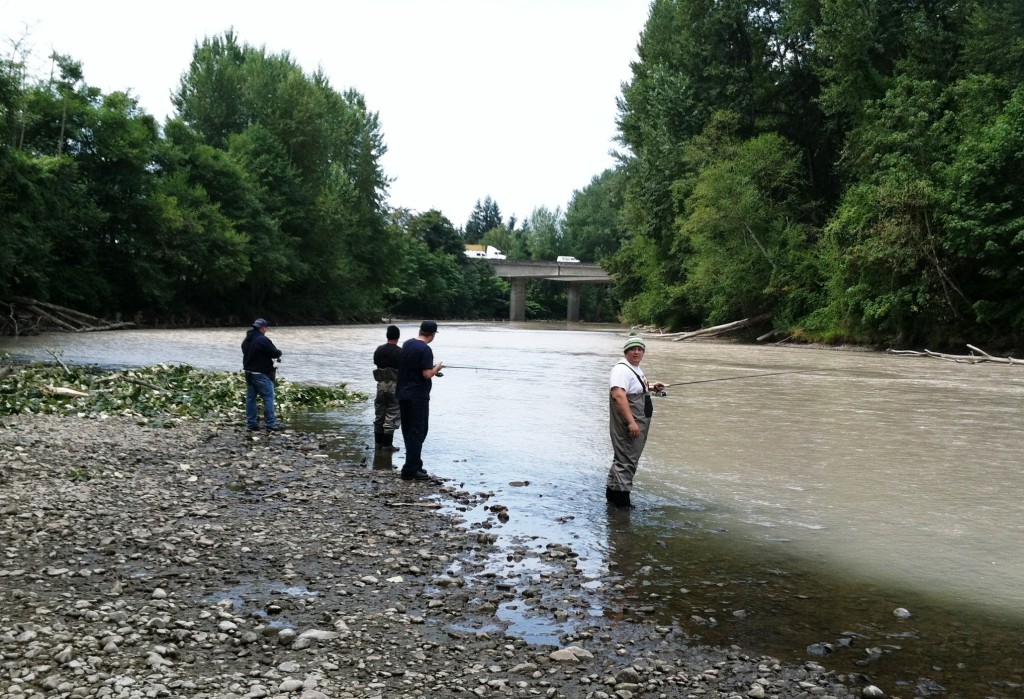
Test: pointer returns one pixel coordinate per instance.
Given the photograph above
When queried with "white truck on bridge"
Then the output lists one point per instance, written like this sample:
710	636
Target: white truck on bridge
483	252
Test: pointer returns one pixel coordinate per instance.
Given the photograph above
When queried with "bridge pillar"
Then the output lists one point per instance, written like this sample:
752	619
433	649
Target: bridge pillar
572	312
517	299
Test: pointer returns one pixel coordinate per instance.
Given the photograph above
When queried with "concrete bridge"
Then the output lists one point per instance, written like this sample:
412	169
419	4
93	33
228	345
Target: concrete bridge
576	274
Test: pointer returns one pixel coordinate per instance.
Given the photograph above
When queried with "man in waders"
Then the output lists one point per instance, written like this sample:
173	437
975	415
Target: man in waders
630	410
385	406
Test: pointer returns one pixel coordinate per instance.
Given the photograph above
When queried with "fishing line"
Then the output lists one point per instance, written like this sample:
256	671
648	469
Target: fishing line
477	368
745	376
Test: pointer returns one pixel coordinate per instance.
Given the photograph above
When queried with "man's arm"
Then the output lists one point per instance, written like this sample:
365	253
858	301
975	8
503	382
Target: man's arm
273	351
622	405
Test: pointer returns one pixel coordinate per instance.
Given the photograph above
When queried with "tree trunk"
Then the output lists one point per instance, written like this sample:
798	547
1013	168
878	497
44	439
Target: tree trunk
718	329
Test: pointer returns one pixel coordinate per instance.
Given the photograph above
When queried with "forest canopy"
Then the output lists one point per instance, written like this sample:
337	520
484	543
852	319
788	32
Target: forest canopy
851	170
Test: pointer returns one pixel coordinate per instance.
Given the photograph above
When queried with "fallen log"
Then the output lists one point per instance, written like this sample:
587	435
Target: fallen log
772	333
34	313
428	505
979	358
64	392
718	329
35	310
126	379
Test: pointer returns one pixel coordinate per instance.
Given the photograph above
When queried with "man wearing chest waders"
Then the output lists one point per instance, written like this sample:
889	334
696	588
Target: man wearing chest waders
630	411
385	406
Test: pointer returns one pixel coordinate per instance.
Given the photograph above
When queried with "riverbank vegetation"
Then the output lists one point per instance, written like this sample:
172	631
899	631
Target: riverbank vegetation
158	394
851	171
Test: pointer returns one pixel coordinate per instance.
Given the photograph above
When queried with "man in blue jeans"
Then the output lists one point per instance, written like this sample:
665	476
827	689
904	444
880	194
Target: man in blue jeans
258	355
416	368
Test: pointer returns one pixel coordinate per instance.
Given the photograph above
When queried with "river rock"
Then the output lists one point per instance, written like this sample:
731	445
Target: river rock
186	565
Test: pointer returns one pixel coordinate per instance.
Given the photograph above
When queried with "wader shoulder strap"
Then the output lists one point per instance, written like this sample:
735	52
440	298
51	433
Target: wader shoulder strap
643	383
648	403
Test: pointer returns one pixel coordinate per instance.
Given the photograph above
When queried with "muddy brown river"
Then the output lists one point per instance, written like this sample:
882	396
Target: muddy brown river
790	514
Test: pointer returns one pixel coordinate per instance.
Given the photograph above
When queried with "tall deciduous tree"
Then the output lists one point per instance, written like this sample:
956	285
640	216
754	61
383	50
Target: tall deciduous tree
985	221
593	226
751	58
314	154
743	226
434	229
544	233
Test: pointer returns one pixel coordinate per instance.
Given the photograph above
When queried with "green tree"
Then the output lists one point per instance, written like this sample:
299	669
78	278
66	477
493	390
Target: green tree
891	277
544	233
593	226
434	229
484	217
748	250
313	154
432	283
219	215
994	42
211	96
106	214
985	222
696	59
116	153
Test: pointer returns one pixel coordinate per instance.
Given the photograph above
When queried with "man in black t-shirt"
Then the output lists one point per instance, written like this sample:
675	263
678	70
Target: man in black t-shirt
385	406
415	371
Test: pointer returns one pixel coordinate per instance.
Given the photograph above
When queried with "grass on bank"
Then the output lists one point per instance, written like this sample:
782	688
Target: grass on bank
161	393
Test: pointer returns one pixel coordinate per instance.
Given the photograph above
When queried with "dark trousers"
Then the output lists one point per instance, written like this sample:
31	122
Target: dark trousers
414	423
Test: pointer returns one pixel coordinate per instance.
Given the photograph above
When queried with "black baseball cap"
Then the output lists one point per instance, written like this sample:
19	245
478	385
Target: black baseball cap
428	327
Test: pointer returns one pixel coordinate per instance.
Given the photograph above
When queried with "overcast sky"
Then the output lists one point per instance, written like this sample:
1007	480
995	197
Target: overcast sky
512	99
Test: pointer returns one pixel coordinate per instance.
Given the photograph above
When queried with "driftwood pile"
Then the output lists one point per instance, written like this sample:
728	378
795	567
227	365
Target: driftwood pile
25	316
976	356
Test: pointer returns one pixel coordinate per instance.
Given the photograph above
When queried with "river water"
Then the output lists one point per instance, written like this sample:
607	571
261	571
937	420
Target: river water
790	514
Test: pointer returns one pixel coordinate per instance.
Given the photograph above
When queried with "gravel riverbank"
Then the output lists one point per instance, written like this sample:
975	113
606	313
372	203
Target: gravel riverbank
199	561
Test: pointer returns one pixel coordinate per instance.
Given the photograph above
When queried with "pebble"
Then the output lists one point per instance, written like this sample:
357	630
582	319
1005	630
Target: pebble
194	561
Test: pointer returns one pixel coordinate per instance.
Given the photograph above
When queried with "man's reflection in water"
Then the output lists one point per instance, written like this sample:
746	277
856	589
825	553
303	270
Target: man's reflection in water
382	460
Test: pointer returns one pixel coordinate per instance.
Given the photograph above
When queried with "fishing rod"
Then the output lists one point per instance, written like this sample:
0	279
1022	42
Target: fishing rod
476	368
745	376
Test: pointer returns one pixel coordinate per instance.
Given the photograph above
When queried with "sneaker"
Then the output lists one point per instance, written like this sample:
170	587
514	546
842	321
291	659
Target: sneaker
418	476
277	428
253	428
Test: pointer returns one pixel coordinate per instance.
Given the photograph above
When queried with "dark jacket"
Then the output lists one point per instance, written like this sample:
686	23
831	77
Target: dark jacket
258	352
